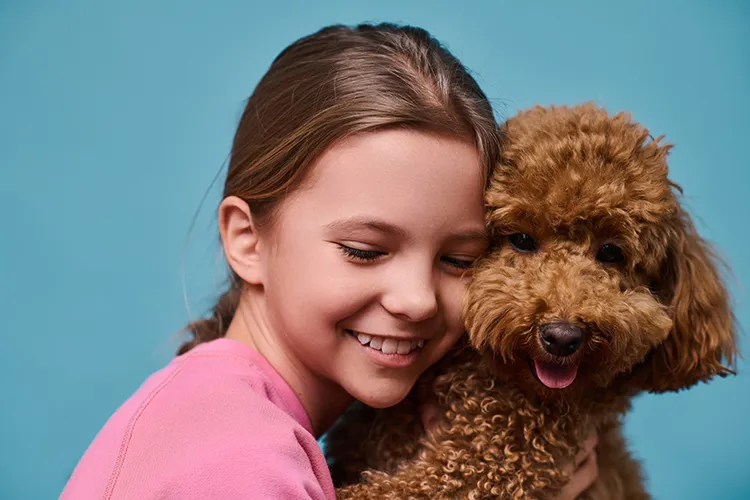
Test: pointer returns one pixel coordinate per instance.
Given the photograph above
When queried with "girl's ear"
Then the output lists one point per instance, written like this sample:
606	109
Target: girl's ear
241	240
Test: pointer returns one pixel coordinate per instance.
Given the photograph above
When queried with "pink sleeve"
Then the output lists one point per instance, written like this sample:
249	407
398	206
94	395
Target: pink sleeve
273	469
222	441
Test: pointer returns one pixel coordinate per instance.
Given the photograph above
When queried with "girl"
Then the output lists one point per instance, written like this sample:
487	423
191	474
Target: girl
352	212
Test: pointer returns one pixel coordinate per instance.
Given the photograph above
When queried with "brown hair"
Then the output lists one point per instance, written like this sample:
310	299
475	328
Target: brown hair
334	83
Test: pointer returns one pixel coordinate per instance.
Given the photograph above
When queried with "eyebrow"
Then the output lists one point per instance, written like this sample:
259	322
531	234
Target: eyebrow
470	235
358	223
354	223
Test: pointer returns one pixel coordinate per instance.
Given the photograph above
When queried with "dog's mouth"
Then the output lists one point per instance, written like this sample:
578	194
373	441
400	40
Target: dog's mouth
554	375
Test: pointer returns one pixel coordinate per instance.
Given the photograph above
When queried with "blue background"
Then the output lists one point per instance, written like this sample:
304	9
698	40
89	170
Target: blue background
115	117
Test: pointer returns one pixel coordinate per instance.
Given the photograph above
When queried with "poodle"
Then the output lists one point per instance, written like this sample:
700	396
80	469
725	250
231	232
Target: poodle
597	287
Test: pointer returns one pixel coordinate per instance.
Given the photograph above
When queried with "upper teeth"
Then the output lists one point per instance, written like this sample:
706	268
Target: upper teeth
388	345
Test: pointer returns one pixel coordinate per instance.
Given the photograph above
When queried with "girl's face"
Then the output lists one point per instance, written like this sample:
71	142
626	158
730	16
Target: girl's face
365	266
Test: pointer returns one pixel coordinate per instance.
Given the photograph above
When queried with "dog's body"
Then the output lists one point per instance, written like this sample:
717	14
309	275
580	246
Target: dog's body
493	442
598	288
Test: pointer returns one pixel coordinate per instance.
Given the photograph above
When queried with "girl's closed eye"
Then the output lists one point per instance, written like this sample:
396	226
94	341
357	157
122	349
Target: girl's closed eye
461	263
359	254
366	255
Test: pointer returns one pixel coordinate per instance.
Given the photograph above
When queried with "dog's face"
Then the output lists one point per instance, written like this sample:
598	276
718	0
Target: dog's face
598	274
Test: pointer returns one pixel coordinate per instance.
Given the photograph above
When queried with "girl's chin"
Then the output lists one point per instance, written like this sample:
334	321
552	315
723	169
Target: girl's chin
384	396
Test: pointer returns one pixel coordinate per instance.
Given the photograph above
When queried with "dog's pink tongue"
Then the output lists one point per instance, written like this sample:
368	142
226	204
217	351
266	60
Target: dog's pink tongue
555	376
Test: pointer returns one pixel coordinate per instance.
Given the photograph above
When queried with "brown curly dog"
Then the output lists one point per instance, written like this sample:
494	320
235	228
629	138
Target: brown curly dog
598	287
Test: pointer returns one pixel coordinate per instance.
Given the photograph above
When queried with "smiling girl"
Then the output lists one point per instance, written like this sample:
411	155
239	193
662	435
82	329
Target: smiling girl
352	213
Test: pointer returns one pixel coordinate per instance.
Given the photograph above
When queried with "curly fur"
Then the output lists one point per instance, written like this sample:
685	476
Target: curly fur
574	178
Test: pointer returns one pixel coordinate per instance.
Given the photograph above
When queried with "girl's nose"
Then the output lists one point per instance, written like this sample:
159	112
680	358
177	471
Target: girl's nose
412	296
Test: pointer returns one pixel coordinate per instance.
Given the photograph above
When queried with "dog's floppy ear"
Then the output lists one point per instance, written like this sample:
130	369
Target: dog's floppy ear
702	342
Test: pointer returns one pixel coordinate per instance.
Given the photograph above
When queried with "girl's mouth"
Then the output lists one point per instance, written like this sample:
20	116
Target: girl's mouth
387	345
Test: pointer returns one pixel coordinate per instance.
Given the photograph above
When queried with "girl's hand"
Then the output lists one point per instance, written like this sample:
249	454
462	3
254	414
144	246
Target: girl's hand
428	414
583	472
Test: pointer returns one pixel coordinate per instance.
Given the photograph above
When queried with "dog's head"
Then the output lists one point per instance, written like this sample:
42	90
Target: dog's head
598	274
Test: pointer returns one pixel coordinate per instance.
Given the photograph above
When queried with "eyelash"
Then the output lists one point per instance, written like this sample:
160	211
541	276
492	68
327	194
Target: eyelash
372	255
459	263
359	254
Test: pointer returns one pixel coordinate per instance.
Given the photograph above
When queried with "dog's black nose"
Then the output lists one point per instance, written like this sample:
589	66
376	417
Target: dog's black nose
561	339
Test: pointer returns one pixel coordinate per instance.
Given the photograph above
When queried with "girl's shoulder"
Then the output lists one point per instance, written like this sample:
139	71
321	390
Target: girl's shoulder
232	376
215	419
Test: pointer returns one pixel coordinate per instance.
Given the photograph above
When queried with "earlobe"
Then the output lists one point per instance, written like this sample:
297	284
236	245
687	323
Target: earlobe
240	240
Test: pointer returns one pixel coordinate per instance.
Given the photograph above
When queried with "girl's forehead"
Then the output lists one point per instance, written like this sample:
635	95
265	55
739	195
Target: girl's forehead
406	177
396	159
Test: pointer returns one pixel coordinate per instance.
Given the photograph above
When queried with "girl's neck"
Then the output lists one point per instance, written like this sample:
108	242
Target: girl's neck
323	400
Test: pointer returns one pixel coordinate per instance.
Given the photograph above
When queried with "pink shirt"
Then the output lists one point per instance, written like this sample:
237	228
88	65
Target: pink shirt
216	423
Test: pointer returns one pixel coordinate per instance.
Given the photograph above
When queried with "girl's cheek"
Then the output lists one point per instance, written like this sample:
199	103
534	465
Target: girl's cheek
454	297
342	302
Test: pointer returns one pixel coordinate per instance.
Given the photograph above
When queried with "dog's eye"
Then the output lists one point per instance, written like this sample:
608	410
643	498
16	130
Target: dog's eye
522	242
610	253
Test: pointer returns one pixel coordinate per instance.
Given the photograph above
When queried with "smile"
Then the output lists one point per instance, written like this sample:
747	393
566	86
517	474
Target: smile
387	345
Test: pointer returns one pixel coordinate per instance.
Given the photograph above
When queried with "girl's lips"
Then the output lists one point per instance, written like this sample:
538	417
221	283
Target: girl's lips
388	359
387	345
